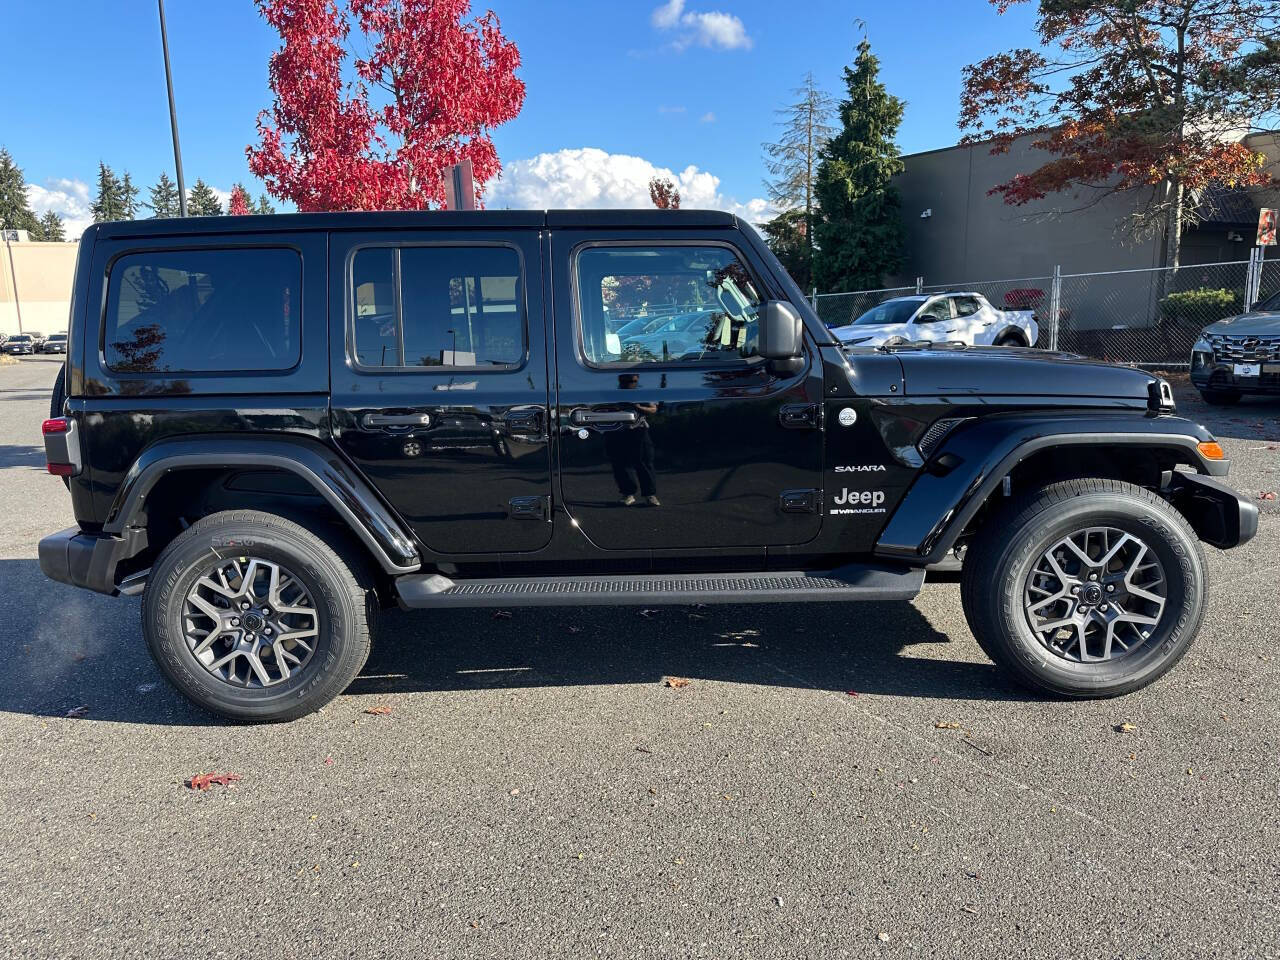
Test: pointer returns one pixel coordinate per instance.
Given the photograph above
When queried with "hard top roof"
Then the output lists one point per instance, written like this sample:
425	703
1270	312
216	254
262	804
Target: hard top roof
417	219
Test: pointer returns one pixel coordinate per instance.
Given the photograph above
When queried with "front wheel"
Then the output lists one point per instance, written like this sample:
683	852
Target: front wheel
1220	398
256	618
1085	588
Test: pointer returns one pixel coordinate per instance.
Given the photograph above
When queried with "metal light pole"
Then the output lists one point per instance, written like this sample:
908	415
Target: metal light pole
13	273
173	114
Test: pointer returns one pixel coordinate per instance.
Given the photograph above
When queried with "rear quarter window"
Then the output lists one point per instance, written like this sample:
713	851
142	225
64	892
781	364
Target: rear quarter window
204	311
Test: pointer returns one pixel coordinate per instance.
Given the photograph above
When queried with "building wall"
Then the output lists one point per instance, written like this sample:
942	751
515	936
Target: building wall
35	284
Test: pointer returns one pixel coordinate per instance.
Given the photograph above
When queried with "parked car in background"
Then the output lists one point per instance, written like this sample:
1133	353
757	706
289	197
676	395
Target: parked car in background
56	343
1239	355
20	343
952	317
673	336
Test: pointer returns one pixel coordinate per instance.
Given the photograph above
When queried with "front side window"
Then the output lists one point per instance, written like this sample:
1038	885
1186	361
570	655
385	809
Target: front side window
666	304
936	311
437	307
201	311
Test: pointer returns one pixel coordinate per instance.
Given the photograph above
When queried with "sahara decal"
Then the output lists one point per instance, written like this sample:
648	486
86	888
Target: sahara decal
862	468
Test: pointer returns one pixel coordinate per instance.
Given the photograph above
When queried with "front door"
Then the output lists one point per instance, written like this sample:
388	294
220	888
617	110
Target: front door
439	381
673	433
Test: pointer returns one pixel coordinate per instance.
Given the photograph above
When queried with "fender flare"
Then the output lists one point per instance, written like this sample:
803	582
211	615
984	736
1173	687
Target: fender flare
977	456
319	466
1022	334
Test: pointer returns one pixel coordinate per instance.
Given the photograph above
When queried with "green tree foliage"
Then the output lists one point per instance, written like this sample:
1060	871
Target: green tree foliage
788	237
113	200
860	237
264	205
202	201
792	163
50	228
15	211
129	196
164	198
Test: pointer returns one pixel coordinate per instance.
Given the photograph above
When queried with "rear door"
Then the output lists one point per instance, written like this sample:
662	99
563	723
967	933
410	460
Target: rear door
439	381
673	433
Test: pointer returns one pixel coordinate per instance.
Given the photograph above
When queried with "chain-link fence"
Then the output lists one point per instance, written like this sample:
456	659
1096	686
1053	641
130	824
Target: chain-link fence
839	309
1148	316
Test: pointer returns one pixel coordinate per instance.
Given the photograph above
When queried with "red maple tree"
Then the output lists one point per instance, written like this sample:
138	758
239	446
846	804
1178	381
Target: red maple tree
664	194
428	94
1150	95
239	204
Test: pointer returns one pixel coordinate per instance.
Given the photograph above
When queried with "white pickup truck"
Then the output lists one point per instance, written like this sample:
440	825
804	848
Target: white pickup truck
953	317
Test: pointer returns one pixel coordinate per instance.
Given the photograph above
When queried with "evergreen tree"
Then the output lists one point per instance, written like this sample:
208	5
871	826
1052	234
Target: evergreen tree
264	205
164	198
50	228
109	203
15	211
202	201
128	197
793	164
860	237
788	237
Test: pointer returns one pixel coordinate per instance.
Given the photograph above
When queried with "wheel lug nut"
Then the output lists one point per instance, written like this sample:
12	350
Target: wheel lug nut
266	611
1104	607
244	605
267	631
235	621
1075	589
1093	576
1111	588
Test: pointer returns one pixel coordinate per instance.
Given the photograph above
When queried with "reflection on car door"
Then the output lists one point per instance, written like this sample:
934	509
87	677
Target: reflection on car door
934	321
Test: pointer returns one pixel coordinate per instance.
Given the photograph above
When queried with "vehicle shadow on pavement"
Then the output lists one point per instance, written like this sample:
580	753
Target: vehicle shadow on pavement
65	648
17	455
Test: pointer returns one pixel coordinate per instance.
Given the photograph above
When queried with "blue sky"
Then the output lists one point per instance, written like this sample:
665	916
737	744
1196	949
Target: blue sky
615	90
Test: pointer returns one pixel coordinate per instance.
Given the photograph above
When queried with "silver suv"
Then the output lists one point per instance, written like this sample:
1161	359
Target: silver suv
1239	355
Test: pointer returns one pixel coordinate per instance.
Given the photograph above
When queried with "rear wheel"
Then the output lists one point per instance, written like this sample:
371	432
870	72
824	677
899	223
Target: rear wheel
1086	588
256	618
1220	398
58	397
1010	340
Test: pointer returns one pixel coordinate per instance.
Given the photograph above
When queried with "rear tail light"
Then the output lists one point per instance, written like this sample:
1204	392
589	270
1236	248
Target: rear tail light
61	446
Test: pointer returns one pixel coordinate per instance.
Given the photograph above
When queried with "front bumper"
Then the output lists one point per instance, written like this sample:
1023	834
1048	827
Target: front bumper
88	560
1220	516
1208	374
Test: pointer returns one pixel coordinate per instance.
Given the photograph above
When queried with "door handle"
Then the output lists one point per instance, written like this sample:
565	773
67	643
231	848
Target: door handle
603	416
372	421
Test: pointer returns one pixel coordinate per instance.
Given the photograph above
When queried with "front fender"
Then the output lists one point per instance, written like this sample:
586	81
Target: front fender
969	465
331	477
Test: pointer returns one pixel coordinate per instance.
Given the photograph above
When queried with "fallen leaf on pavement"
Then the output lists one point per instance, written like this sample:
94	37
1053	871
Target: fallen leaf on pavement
1267	495
852	693
202	781
675	682
328	761
1125	727
643	750
77	712
379	711
969	908
946	725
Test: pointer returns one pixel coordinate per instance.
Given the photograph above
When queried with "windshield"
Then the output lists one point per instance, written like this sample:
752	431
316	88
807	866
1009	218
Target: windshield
58	336
20	338
891	311
1271	304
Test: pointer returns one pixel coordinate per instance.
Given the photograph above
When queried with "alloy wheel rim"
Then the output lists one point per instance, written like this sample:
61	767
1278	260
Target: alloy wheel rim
1096	595
250	622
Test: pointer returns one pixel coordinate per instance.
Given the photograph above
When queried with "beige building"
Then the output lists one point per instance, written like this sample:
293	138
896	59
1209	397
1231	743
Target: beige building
35	286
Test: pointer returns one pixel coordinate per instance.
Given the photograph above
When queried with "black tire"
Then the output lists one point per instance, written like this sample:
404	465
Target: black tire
1220	398
58	398
334	574
1001	558
1010	340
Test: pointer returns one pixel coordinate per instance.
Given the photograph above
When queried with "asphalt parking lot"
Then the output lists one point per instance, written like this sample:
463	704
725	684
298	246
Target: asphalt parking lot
851	780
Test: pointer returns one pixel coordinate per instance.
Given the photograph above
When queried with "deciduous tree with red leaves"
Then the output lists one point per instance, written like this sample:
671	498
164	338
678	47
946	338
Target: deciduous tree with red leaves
664	194
433	85
238	206
1150	95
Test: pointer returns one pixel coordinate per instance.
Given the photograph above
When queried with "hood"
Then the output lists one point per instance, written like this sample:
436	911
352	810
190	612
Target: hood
1261	322
1016	371
869	334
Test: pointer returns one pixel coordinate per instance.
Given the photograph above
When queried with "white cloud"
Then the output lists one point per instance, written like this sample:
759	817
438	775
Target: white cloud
666	109
588	177
708	117
224	198
69	199
711	28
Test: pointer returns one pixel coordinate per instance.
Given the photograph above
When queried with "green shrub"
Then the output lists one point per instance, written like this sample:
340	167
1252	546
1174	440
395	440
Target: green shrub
1204	305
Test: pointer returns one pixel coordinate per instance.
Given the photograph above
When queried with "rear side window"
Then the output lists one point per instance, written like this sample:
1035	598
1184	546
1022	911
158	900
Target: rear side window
434	306
204	311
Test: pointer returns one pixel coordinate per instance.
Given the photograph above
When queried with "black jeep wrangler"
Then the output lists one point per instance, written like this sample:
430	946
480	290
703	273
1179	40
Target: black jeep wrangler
272	427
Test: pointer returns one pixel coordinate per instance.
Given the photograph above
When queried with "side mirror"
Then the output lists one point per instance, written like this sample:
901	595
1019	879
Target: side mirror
781	331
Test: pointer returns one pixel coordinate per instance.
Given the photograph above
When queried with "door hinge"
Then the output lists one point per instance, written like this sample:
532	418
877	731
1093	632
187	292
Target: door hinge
530	508
799	416
799	501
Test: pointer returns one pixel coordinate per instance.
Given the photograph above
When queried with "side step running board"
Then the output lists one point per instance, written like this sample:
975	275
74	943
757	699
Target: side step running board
854	582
